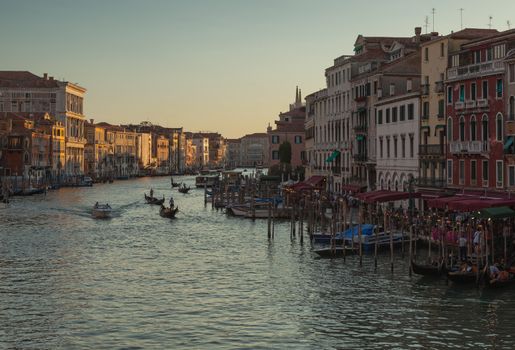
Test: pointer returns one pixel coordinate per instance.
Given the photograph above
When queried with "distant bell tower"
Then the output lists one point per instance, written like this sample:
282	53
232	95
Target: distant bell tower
298	99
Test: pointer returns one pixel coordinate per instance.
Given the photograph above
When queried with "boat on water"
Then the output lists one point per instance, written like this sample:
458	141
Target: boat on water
435	269
153	200
184	189
260	210
334	252
467	274
207	179
168	212
101	211
176	184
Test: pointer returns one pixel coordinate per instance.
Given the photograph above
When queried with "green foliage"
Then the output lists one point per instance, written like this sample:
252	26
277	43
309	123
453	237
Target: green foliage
285	153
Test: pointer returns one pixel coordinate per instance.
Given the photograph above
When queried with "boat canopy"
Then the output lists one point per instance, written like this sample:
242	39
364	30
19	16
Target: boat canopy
366	230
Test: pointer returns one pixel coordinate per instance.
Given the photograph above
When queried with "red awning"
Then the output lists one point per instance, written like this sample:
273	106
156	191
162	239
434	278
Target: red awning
301	186
364	196
386	196
443	202
467	205
315	180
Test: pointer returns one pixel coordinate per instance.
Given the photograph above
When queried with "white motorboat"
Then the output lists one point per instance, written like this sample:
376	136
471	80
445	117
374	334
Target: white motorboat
101	211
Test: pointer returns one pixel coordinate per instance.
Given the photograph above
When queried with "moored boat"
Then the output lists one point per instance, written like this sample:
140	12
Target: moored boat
101	211
464	276
436	269
334	252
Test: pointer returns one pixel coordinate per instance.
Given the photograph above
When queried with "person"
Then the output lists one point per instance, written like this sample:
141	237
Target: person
151	192
171	202
96	205
477	238
462	243
494	271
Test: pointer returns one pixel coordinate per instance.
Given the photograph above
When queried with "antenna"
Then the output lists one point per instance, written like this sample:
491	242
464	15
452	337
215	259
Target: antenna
426	23
509	24
490	22
433	12
461	17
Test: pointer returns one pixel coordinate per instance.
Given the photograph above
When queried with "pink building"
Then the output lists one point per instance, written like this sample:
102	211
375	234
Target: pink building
289	127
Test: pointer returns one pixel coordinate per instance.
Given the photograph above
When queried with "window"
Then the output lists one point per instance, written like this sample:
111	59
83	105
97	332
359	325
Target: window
441	109
484	127
498	127
455	60
380	116
449	95
275	139
449	171
387	147
473	128
485	172
449	129
375	87
499	167
411	146
485	89
442	49
489	54
387	115
395	147
392	89
511	176
409	85
511	68
426	54
275	155
477	56
298	139
394	114
499	51
462	128
473	171
425	110
498	89
473	91
411	111
462	93
462	172
381	147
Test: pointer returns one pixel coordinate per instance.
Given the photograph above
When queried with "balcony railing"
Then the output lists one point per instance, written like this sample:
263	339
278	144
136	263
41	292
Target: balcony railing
360	129
424	89
439	87
482	103
473	147
470	104
459	105
431	150
431	182
360	157
474	70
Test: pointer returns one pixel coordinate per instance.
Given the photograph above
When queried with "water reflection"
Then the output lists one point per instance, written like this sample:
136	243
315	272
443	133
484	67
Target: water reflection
208	281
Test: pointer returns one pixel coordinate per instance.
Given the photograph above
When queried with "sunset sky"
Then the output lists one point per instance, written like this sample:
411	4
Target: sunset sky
216	65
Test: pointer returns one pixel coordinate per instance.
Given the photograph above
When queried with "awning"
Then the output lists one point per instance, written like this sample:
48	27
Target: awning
386	196
469	205
508	143
315	180
333	156
496	213
353	188
358	47
439	126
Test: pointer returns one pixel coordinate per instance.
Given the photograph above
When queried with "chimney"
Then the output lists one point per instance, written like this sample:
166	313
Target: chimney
45	76
91	121
418	31
51	78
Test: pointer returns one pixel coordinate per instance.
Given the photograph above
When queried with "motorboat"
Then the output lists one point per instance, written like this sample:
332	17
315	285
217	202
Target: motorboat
101	211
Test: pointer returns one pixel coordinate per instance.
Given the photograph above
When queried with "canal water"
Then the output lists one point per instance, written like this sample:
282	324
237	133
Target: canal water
209	281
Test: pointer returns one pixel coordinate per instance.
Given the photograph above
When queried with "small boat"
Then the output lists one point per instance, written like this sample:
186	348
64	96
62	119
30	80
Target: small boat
464	277
168	212
176	184
153	200
334	252
101	211
436	269
325	238
184	189
504	278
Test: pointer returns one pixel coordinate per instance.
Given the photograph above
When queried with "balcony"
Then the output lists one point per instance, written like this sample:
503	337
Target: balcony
471	147
439	87
360	158
475	70
459	105
470	104
424	89
431	150
482	103
360	129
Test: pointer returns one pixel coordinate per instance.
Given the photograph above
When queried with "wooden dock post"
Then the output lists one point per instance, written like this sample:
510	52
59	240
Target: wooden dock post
391	247
205	194
410	248
360	218
269	220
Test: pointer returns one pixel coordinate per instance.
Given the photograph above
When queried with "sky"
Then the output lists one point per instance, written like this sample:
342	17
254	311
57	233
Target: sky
229	66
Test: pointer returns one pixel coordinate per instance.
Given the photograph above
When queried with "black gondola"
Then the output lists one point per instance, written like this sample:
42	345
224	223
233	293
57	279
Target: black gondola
168	212
505	279
463	277
153	200
428	269
175	184
184	189
335	252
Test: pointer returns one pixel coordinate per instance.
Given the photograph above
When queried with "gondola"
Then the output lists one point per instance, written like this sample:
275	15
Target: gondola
428	269
503	281
184	189
153	200
334	252
168	212
176	184
464	277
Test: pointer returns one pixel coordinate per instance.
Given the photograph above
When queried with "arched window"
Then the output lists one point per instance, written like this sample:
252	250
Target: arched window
484	127
449	129
473	128
498	127
462	128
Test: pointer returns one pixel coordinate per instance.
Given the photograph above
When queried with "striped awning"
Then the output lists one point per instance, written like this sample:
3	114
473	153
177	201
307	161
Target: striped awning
332	156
